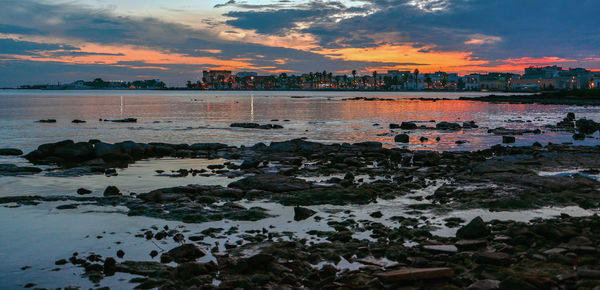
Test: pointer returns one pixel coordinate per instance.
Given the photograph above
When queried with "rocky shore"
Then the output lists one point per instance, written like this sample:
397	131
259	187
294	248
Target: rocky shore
384	251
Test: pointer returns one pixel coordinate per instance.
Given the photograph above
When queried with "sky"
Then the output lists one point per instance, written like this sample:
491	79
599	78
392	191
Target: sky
45	41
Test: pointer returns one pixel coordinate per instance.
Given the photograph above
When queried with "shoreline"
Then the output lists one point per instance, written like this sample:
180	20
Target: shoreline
381	249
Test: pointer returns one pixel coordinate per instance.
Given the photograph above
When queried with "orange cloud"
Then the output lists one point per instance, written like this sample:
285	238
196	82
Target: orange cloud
542	60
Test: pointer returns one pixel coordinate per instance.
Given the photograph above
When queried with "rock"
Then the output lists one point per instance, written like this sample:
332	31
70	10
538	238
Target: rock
376	214
578	136
112	190
571	116
470	125
423	139
247	164
207	146
153	253
486	284
394	126
109	266
475	229
76	152
467	245
47	121
302	213
83	191
586	126
408	126
512	283
13	170
244	125
588	273
77	121
120	253
349	176
126	120
10	151
554	251
493	258
259	260
508	139
186	253
416	274
271	182
401	138
448	249
447	126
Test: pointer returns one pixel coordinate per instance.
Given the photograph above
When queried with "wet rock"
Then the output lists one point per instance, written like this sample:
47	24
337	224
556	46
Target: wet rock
46	121
109	266
394	126
503	131
423	139
77	121
588	273
586	126
578	136
112	190
416	274
120	253
302	213
447	126
475	229
60	262
408	126
515	283
571	116
376	214
269	126
76	152
207	146
244	125
470	125
13	170
153	253
141	268
125	120
186	253
401	138
494	258
248	164
83	191
467	245
271	182
508	139
448	249
10	151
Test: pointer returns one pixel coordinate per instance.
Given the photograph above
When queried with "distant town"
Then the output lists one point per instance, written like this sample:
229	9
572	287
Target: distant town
533	79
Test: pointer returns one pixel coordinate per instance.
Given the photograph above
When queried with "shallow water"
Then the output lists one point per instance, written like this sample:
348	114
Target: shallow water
38	235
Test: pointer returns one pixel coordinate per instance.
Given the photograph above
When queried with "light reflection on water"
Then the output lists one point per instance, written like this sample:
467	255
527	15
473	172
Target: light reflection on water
190	117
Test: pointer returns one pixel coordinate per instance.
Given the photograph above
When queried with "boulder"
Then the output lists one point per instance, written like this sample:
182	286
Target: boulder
207	146
77	121
245	125
401	138
112	190
586	126
76	152
83	191
578	136
475	229
508	139
186	253
408	126
447	126
446	249
10	151
571	116
493	258
470	125
47	121
302	213
271	182
394	126
126	120
248	164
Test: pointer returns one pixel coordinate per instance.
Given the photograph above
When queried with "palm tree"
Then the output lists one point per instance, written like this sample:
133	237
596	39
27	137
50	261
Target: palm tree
416	72
374	79
353	76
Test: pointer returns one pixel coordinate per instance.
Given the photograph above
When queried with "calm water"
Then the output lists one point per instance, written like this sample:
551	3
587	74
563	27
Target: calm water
190	117
37	236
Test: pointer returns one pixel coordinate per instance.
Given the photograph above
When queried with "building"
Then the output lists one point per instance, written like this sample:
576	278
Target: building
218	79
244	74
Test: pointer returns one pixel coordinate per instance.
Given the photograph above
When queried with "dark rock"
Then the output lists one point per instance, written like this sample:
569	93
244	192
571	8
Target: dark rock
493	258
487	284
447	126
47	121
512	283
110	266
83	191
394	126
13	170
475	229
76	152
467	245
112	190
302	213
153	253
244	125
186	253
376	214
408	126
248	164
423	139
77	121
578	136
571	116
447	249
126	120
11	151
271	182
508	139
207	146
470	125
586	126
120	253
401	138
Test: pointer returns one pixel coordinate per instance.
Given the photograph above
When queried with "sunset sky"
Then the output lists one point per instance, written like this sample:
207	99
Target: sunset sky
50	41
